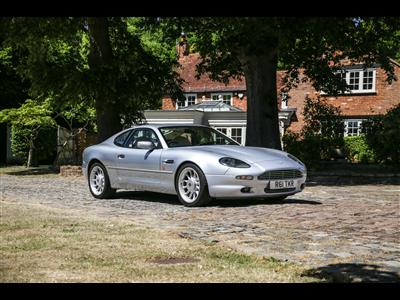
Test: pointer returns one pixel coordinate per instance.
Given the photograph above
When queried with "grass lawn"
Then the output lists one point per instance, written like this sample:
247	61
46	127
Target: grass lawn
41	244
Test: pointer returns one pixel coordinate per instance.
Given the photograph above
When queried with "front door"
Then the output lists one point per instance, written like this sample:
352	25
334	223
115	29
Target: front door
140	168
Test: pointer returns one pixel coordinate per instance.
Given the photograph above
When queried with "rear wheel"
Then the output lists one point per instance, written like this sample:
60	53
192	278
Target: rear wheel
191	186
99	182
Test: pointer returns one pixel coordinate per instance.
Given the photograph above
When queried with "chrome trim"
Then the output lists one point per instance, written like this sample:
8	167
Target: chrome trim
141	170
168	161
281	174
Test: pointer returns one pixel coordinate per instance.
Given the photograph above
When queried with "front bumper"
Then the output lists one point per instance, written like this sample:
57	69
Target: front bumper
227	186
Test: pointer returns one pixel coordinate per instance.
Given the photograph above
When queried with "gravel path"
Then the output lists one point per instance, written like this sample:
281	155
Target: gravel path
352	229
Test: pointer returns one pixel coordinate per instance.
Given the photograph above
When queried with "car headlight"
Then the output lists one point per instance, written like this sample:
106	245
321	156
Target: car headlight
296	159
233	162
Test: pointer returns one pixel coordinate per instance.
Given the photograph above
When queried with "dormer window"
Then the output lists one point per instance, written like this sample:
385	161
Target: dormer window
360	81
190	99
224	97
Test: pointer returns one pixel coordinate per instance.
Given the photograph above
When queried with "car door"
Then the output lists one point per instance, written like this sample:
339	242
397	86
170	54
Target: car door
139	168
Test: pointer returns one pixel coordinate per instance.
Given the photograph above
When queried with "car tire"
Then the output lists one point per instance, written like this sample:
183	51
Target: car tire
191	186
99	182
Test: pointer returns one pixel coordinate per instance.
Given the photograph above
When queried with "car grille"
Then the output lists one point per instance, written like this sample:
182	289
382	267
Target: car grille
280	174
268	191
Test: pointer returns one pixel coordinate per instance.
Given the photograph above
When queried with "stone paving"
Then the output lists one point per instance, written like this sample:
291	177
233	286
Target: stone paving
352	229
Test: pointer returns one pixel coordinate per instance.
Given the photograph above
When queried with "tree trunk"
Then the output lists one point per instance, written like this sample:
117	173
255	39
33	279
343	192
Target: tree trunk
30	153
262	105
108	120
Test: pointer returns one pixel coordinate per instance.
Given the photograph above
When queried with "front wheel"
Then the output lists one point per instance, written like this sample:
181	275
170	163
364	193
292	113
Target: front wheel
191	186
99	183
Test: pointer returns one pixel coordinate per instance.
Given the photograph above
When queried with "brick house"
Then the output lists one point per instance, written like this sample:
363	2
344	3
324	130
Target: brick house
370	95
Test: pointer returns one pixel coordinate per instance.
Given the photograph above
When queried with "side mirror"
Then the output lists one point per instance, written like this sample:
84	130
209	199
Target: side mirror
145	145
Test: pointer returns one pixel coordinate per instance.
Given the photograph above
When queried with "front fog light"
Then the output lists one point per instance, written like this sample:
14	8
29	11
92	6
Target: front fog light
244	177
246	189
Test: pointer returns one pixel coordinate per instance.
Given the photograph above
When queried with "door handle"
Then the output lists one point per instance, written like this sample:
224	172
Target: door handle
168	161
121	156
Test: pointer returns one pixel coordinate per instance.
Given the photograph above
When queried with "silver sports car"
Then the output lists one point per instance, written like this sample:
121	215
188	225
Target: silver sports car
198	163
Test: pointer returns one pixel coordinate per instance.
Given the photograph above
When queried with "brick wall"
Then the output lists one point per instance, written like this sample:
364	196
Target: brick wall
69	170
357	105
240	103
168	104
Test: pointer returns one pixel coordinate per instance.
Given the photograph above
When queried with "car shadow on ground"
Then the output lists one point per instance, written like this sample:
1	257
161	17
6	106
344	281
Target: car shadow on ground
254	201
353	272
173	199
147	196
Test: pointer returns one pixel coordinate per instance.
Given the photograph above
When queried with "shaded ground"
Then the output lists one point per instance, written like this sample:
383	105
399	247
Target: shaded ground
351	232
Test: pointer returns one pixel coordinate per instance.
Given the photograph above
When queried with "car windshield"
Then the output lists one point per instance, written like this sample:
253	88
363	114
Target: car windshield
182	136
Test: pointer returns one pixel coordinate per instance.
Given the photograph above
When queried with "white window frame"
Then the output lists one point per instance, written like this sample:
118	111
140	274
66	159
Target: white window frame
186	100
359	123
360	90
361	80
229	132
223	94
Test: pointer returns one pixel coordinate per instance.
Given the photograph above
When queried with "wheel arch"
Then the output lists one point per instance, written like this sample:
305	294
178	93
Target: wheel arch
91	162
203	198
180	166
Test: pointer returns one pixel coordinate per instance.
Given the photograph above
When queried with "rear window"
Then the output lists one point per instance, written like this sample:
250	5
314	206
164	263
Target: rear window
120	140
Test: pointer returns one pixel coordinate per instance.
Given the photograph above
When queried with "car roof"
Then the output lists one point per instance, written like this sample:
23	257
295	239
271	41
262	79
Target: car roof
168	125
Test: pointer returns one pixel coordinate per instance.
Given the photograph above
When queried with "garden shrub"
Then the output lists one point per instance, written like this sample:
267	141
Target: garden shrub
19	143
357	149
306	149
45	144
321	134
383	136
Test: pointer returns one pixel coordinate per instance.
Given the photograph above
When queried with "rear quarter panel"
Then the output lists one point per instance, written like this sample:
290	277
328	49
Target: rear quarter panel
106	154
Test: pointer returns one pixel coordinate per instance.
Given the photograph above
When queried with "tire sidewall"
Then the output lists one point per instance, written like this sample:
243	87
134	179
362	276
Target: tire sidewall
204	196
107	192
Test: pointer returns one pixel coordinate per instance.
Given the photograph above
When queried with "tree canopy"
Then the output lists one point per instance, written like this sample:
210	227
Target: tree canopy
65	58
121	66
231	47
31	117
317	45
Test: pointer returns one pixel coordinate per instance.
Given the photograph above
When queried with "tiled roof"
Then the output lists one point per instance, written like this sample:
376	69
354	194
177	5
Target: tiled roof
187	71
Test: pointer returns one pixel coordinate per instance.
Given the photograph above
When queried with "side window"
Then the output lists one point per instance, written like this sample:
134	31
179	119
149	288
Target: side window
144	134
120	140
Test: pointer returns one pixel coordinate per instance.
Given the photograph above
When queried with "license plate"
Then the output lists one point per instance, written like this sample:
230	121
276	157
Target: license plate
281	184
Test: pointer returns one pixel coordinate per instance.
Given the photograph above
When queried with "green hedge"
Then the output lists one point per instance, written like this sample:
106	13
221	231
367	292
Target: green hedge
379	143
383	135
45	145
357	149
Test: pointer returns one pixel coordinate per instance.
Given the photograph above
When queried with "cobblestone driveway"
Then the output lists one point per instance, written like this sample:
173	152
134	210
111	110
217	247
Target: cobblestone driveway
353	229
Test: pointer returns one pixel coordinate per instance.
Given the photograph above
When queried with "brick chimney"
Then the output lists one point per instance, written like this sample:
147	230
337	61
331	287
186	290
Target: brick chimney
182	48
